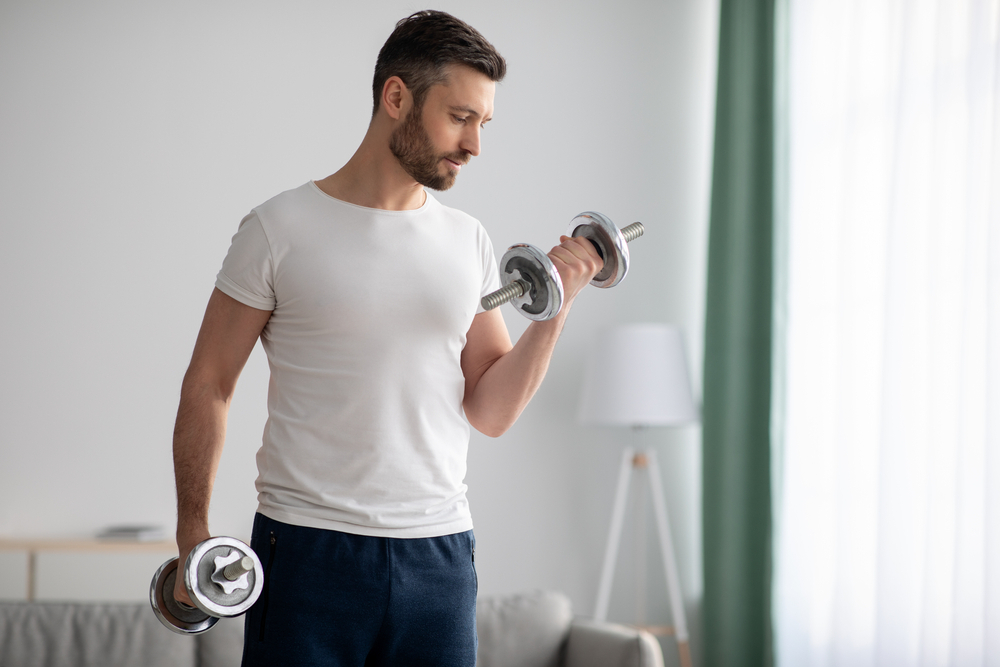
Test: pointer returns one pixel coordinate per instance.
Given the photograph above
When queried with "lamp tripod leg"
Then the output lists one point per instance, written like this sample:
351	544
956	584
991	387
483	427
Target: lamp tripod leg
614	535
669	560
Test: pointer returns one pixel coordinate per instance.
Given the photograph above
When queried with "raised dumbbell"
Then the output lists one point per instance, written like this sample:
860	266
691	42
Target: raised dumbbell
531	281
222	575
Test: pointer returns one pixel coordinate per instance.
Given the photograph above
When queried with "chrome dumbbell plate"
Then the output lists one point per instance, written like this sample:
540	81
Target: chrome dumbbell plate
544	298
610	243
210	590
174	616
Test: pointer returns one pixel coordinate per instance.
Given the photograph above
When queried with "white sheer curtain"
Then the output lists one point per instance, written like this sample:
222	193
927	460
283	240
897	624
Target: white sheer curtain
888	481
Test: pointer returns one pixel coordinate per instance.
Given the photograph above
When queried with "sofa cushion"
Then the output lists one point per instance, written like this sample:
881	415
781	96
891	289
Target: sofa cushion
527	630
88	635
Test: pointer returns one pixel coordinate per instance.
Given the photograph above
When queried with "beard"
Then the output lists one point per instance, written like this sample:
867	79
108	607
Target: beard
413	148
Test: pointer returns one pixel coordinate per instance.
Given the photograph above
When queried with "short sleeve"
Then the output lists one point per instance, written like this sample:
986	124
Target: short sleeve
247	273
491	274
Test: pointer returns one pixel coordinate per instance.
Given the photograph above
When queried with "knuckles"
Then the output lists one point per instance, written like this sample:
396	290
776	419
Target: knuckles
577	261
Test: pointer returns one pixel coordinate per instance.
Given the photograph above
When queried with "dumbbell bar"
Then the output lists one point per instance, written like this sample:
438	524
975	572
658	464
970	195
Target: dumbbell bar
223	577
532	282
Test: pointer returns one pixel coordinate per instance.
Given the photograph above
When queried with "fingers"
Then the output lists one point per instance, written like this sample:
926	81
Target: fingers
577	261
577	249
180	592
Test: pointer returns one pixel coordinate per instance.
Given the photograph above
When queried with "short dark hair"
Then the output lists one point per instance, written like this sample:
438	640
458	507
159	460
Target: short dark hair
423	45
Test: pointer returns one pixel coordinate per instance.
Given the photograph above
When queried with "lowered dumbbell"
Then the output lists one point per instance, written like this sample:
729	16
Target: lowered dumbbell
222	575
531	281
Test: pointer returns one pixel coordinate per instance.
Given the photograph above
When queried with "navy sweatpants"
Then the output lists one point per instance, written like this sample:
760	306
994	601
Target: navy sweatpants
334	599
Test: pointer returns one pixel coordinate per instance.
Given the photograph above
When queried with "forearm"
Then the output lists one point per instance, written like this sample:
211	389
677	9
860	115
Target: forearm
199	435
506	388
501	379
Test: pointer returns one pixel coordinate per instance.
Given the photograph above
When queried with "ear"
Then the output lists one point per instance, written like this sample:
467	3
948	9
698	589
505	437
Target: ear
396	97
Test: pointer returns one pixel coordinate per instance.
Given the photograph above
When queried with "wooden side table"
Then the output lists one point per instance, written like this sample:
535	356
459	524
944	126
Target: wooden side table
35	547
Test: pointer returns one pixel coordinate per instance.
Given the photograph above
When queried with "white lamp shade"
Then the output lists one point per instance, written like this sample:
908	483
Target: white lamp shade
637	375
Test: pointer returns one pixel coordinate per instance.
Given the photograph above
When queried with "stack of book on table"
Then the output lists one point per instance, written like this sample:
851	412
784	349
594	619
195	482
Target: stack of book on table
133	534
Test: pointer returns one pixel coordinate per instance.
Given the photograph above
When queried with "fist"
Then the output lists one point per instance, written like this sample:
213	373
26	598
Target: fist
180	591
187	540
577	261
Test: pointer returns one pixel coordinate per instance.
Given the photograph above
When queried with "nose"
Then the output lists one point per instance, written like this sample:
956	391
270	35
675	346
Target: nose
470	141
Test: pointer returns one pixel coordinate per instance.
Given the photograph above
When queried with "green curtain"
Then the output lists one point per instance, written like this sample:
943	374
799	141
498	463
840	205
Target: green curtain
738	324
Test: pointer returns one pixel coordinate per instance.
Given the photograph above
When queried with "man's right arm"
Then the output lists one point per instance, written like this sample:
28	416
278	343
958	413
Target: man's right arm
228	334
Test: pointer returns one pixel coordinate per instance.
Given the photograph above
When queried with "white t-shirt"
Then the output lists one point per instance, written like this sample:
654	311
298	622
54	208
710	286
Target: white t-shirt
365	431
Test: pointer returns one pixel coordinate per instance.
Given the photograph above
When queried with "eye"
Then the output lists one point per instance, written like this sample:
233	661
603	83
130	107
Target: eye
459	119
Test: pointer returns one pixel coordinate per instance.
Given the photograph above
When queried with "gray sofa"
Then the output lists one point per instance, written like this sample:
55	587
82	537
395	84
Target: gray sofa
531	630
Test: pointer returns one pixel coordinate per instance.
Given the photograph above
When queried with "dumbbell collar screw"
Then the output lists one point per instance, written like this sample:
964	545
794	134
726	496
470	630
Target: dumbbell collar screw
230	573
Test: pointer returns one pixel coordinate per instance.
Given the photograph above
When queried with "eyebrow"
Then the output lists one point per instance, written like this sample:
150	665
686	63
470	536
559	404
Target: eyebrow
470	111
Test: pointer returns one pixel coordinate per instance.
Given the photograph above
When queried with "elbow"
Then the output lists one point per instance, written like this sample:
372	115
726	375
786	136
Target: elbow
491	425
202	386
492	431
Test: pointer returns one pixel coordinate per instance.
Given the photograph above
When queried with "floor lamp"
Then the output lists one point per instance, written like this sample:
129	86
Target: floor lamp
638	377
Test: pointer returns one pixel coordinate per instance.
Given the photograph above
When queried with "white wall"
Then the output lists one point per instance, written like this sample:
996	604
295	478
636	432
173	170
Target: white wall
135	136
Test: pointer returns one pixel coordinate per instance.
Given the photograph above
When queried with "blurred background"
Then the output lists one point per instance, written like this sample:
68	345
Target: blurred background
135	136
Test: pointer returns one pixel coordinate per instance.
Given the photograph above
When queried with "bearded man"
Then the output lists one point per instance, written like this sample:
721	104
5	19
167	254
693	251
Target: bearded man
365	291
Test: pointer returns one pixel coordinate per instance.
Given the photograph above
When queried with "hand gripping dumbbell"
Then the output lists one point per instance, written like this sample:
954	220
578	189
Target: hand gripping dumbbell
531	281
222	575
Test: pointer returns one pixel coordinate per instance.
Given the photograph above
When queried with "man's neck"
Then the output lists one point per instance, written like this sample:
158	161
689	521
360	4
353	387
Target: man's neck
373	178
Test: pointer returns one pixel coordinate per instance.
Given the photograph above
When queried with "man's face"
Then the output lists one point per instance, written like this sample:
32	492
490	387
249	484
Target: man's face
434	141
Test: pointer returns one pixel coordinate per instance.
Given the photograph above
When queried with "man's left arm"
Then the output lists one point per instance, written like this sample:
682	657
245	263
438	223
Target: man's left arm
500	378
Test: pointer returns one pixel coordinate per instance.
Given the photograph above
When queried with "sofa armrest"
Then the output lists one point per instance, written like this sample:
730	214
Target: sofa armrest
597	644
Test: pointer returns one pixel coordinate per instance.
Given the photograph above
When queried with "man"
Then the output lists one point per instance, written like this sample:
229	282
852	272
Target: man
364	291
